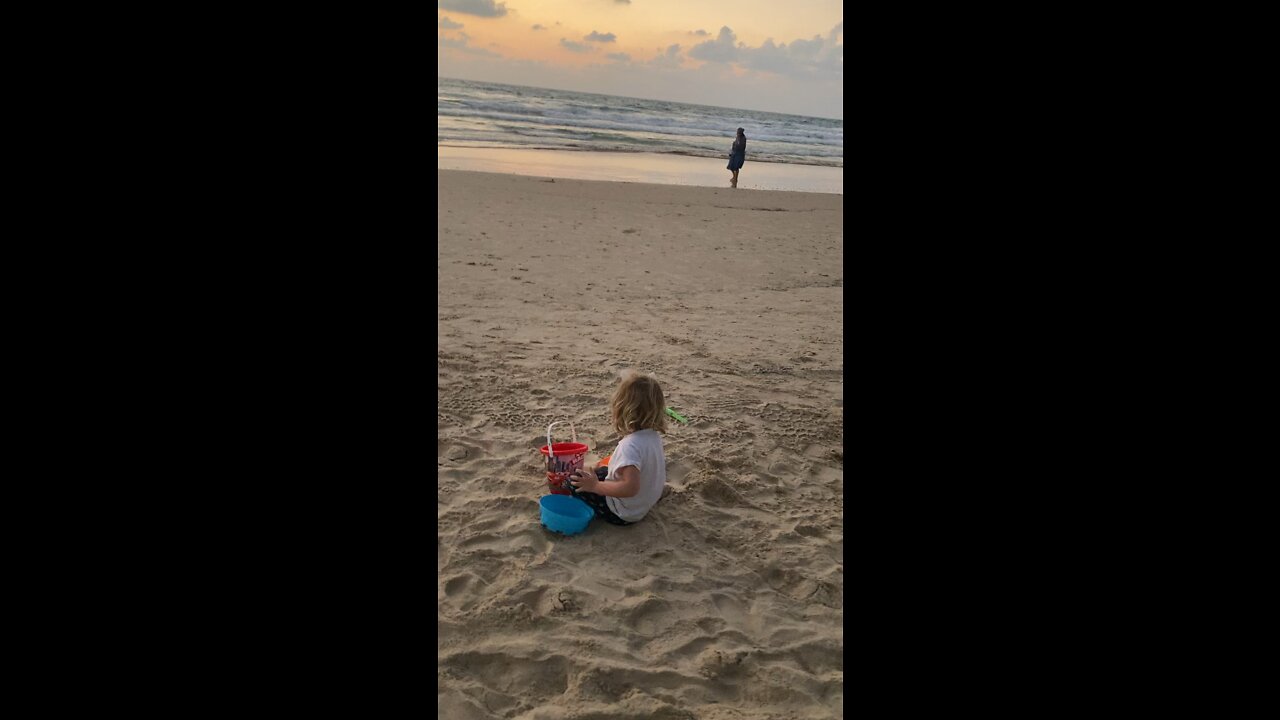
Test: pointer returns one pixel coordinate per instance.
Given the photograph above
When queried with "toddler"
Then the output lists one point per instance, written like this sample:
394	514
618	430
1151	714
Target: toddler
638	466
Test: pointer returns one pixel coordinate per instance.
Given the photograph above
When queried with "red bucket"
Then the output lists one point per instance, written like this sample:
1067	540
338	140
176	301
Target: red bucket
563	458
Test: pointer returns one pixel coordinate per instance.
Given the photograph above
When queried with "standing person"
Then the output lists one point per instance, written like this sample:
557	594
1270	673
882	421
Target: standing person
638	466
737	156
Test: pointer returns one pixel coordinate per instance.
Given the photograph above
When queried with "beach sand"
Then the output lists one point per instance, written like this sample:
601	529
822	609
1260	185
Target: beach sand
727	601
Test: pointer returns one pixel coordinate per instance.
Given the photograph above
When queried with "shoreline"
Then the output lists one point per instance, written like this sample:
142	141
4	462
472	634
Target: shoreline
636	167
669	193
676	153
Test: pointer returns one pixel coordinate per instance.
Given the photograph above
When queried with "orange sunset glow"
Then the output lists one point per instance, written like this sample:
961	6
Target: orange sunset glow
752	54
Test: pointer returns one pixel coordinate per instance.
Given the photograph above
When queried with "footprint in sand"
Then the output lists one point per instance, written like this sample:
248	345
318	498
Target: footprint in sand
718	663
458	584
647	617
790	583
729	607
719	492
506	673
807	530
532	538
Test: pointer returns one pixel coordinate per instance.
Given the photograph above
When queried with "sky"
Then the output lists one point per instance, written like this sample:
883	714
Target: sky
775	55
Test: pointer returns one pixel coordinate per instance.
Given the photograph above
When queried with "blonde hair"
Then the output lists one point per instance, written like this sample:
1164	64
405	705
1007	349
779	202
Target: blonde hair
638	404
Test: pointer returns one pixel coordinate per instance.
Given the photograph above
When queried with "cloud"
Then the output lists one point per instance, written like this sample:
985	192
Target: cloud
539	27
576	47
769	58
447	24
461	44
723	49
620	57
800	58
699	32
670	58
623	2
597	37
806	49
483	8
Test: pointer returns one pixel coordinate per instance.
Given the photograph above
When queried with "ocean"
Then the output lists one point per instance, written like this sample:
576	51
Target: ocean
493	115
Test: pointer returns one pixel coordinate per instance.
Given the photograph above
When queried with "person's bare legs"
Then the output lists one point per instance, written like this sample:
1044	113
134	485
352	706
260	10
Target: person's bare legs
733	182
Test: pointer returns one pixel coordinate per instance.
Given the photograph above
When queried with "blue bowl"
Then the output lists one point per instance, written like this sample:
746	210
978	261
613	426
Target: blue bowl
565	514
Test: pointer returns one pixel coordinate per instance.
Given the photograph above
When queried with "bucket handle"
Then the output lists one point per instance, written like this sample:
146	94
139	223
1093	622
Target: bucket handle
551	451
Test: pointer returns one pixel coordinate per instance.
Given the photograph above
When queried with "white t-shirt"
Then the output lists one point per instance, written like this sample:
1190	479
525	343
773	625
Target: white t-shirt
643	449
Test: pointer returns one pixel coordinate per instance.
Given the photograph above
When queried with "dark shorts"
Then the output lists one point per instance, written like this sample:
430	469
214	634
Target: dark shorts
598	504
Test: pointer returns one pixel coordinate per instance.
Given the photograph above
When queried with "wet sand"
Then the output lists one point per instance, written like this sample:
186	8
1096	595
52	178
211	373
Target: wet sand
642	168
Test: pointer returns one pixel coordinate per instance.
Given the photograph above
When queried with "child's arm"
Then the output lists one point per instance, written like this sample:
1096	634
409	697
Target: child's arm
626	482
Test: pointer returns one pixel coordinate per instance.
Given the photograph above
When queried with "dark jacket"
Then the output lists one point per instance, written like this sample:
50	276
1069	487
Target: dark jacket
738	153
